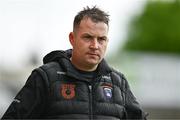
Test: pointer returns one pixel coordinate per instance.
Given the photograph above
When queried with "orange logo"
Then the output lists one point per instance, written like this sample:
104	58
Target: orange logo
68	91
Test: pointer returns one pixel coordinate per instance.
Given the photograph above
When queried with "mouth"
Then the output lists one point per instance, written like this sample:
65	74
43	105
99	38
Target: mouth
93	54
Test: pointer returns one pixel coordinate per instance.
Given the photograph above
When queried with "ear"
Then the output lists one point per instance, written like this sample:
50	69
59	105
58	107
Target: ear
71	38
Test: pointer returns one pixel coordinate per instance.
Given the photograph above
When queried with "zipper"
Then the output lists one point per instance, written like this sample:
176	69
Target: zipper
90	102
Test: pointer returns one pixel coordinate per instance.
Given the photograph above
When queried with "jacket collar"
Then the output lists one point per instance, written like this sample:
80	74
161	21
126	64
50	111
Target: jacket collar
63	58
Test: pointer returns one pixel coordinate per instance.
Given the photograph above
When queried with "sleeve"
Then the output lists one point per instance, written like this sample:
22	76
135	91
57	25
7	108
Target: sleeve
30	101
133	108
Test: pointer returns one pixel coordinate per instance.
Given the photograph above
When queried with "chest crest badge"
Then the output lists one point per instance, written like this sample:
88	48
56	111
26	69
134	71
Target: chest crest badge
108	92
107	89
68	91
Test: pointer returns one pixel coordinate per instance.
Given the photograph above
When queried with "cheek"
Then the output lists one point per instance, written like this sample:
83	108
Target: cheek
81	47
103	48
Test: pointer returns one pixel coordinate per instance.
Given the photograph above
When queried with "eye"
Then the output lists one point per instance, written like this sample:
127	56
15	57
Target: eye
87	37
102	39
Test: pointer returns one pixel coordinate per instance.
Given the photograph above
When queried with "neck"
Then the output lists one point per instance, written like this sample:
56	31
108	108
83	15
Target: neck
83	67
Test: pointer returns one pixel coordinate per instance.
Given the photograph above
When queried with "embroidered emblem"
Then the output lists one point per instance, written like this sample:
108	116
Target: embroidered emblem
107	92
68	91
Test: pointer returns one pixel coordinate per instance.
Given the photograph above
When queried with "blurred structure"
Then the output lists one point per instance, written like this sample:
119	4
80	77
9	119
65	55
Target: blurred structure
154	79
150	58
12	80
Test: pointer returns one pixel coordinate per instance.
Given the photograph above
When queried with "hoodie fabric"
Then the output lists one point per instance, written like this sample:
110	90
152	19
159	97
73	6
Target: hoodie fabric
57	90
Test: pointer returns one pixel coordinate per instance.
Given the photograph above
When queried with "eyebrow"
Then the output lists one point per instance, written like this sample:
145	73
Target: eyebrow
87	34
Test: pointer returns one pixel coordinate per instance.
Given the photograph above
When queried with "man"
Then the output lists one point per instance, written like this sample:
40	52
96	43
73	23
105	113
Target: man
78	83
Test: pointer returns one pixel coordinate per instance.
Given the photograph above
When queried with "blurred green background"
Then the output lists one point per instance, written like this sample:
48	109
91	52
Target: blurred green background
157	29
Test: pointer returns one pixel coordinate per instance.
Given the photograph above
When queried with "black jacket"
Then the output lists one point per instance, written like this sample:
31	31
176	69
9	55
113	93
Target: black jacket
58	90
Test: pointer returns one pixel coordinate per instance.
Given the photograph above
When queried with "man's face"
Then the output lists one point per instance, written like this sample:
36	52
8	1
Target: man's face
89	42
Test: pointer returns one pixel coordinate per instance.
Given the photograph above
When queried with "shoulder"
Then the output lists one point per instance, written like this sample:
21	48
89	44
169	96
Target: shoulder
47	68
50	65
48	72
119	79
117	74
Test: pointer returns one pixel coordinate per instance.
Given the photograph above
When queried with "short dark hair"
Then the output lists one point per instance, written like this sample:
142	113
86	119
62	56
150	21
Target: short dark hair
94	13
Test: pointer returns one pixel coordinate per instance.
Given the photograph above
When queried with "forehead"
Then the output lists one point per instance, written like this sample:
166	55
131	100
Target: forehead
89	25
89	21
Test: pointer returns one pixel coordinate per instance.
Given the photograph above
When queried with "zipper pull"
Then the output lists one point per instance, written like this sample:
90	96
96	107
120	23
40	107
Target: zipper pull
90	88
90	102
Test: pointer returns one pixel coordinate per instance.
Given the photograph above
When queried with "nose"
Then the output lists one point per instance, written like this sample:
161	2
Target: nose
94	44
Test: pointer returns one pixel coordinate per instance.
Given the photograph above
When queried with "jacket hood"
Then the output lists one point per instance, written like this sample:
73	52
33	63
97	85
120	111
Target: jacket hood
63	58
55	56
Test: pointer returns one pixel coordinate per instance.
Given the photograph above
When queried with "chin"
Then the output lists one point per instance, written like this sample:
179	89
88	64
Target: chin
93	62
